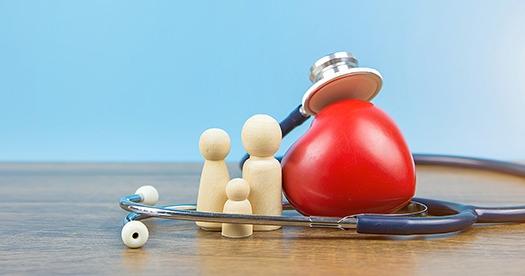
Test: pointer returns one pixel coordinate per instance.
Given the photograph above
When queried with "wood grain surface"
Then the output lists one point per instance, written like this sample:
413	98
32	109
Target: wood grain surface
65	218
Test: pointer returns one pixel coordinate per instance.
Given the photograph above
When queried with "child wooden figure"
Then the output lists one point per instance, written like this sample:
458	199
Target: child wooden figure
237	191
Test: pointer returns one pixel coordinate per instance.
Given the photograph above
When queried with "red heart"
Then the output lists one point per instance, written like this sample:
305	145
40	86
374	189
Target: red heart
352	160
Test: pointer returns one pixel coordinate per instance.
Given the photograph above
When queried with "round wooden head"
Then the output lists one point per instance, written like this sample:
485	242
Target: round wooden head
261	135
214	144
237	189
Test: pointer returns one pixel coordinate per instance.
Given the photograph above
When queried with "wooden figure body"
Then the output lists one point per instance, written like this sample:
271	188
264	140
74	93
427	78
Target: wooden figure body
237	191
214	145
261	138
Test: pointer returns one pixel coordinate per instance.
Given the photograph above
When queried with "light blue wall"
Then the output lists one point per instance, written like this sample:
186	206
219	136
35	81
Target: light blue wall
140	80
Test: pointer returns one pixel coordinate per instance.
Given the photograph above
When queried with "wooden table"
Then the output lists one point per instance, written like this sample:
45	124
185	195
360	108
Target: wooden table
65	218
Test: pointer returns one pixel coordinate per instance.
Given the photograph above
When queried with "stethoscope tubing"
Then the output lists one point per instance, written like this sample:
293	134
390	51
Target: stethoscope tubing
485	214
188	212
510	168
444	217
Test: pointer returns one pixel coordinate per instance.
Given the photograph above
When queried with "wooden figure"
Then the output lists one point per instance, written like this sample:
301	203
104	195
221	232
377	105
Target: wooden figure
214	145
261	138
237	191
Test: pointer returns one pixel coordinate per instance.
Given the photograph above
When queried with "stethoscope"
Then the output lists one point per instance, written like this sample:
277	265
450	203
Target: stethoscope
336	77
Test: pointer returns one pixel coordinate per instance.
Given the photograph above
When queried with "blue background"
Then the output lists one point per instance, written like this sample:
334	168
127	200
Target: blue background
140	80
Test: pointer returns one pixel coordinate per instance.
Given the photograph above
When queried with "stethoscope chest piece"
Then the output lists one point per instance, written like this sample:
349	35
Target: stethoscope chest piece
336	77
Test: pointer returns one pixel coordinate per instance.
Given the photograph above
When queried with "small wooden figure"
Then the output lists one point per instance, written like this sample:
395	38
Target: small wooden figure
237	191
214	145
261	138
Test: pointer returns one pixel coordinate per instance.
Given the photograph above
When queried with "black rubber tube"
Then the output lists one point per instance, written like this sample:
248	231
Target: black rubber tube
500	214
470	162
450	217
370	224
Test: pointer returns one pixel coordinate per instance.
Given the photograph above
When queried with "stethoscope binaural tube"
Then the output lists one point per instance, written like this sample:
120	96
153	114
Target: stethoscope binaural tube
364	223
445	217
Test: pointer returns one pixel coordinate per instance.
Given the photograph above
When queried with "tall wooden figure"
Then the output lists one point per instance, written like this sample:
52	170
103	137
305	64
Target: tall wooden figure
261	138
214	145
237	191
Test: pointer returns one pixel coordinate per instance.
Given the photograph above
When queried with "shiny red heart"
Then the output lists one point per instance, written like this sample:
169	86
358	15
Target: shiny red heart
352	160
